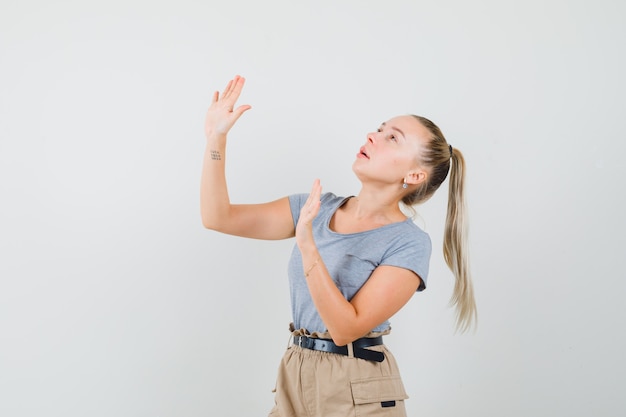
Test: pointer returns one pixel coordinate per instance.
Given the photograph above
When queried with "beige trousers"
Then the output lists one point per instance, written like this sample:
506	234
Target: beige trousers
321	384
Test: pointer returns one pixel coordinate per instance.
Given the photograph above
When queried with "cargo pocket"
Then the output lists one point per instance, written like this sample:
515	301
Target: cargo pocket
381	396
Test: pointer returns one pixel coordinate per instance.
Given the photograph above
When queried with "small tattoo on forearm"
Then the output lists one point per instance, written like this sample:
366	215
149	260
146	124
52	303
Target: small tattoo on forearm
216	155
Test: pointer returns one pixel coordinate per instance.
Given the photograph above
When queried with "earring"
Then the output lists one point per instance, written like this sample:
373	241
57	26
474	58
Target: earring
405	185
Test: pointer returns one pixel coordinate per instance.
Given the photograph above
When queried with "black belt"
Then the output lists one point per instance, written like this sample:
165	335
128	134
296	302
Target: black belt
358	347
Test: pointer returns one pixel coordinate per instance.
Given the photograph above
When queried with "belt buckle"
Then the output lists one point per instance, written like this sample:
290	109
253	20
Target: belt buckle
303	342
307	342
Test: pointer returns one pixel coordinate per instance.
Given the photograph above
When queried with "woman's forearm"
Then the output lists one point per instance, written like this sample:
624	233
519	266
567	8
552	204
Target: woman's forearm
339	316
214	199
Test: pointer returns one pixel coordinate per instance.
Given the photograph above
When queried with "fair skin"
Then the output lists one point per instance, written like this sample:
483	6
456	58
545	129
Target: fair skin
387	159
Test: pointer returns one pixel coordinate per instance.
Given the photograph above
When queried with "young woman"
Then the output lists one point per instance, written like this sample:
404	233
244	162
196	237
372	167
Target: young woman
356	262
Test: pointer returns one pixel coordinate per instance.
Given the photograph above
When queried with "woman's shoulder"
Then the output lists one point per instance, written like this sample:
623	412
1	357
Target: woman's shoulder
331	198
407	232
325	198
330	201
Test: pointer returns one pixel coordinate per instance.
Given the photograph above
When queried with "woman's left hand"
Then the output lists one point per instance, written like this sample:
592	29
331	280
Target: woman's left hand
308	212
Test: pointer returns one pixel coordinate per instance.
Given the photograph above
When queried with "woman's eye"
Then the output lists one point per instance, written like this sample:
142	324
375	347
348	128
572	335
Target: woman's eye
392	137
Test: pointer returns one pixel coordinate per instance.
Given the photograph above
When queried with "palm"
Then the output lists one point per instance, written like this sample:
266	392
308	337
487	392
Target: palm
222	114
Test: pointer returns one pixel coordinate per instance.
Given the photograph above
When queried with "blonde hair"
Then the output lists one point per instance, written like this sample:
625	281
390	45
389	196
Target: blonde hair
440	158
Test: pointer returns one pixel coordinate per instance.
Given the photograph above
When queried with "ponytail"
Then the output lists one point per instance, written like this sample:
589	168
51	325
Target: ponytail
442	159
455	245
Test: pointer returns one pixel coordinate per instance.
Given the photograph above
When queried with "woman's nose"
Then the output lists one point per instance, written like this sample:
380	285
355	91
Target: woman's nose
371	138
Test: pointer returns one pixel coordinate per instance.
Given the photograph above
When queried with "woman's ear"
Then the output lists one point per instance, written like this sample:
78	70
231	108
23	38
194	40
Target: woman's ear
415	177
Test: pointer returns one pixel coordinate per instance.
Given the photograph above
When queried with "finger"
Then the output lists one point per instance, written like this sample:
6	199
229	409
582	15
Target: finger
237	87
315	191
216	96
313	200
318	194
230	83
310	197
241	110
317	188
231	86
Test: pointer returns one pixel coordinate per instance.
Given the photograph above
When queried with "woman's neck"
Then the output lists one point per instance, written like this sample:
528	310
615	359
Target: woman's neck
375	208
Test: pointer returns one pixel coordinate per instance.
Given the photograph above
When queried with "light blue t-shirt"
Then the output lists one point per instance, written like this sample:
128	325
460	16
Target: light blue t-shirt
351	258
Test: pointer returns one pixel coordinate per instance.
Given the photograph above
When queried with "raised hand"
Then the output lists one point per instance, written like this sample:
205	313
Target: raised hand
222	114
308	212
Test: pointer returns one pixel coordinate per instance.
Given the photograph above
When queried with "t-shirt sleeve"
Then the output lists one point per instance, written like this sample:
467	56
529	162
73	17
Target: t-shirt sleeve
412	254
296	201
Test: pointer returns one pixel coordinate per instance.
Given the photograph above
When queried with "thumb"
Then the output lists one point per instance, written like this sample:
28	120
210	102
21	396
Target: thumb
241	110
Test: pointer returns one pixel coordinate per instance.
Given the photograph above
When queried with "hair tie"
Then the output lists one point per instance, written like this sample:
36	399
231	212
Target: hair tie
450	146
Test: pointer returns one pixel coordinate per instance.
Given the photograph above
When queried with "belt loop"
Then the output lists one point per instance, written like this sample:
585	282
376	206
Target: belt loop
350	350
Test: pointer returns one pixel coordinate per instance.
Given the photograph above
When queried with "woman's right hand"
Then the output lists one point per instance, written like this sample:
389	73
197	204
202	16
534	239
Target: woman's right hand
222	114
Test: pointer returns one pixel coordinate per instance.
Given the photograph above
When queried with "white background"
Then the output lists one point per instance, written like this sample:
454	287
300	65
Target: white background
115	302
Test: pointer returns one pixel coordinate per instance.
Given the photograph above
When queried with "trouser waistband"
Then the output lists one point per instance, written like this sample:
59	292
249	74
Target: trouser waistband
358	347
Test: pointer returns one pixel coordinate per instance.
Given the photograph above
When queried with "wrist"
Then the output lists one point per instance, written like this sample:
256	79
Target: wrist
307	247
215	137
311	267
216	142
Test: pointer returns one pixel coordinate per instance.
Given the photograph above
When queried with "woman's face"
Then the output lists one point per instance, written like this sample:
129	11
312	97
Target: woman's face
391	152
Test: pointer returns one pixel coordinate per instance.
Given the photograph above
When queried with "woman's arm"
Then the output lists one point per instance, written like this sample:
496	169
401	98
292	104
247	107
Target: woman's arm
385	292
260	221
